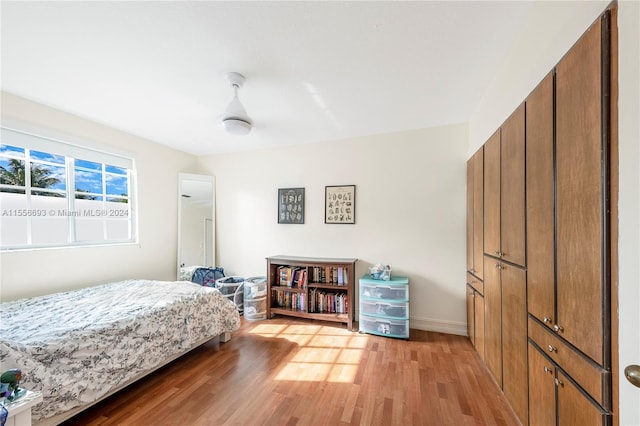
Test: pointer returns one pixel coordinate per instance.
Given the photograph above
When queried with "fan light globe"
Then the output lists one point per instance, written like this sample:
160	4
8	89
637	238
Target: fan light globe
236	126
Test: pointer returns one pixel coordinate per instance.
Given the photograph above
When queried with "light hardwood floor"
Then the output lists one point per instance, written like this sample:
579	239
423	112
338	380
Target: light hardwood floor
298	372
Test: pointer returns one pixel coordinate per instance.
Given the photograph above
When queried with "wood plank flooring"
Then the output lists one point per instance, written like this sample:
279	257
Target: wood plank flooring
297	372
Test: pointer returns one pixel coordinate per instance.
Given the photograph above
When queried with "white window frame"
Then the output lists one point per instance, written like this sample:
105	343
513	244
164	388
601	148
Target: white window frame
30	141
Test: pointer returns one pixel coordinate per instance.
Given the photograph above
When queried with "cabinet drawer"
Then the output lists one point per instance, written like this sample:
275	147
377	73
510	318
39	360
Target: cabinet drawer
474	282
384	291
384	327
593	379
399	310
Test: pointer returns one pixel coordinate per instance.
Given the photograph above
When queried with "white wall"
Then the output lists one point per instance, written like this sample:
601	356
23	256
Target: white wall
35	272
533	56
410	212
629	204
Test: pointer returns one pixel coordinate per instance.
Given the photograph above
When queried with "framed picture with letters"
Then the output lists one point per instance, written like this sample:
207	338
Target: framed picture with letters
340	204
291	205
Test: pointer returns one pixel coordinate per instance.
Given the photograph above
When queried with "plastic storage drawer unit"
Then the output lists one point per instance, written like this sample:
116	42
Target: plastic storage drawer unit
384	306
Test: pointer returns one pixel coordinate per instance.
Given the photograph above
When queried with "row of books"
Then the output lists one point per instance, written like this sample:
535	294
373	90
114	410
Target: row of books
329	275
289	300
321	301
298	277
294	277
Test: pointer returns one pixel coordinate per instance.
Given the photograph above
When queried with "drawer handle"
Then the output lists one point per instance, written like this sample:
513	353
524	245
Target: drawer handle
548	370
499	253
552	348
557	328
547	320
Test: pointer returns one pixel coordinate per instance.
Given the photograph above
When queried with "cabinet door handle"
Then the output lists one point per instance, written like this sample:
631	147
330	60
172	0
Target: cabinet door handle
498	253
547	320
632	373
559	382
548	370
557	328
552	348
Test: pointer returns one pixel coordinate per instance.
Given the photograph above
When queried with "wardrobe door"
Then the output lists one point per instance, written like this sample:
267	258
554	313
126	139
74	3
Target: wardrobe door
580	197
542	389
512	237
493	318
479	323
492	195
478	212
574	408
514	339
540	203
471	315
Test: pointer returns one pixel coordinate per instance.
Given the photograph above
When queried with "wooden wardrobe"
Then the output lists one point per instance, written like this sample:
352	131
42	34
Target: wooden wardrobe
545	282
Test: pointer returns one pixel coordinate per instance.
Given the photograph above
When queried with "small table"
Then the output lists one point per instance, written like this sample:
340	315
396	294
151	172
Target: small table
20	409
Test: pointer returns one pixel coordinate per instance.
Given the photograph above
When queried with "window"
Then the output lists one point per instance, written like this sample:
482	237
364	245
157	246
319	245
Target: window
54	194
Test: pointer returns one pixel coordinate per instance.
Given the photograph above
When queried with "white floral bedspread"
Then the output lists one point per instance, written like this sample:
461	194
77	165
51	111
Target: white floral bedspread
76	346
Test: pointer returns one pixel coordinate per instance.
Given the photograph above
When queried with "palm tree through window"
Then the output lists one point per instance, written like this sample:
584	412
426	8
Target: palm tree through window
47	198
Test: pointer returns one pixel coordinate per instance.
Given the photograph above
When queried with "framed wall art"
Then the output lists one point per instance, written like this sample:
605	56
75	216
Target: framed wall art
340	204
291	205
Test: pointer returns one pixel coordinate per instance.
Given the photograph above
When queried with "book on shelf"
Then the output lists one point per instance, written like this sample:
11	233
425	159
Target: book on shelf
289	300
336	275
321	301
290	276
301	281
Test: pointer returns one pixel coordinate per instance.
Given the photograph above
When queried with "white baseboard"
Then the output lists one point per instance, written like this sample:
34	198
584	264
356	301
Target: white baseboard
440	326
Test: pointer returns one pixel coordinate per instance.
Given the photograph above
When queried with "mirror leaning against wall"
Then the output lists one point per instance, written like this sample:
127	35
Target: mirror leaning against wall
196	223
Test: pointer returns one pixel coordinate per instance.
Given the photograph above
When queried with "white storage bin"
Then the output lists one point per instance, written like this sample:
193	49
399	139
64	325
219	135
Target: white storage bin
255	309
233	289
255	288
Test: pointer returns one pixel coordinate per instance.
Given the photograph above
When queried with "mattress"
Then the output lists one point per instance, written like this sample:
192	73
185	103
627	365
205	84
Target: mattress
76	346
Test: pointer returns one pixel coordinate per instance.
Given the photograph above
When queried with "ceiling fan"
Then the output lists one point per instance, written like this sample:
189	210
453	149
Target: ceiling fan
235	119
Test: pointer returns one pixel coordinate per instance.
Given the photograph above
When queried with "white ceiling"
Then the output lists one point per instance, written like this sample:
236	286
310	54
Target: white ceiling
315	70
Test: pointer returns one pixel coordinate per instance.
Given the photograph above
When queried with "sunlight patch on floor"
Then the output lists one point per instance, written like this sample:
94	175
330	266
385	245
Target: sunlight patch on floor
324	353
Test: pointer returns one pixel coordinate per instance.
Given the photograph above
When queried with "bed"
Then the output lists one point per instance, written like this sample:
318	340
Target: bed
79	347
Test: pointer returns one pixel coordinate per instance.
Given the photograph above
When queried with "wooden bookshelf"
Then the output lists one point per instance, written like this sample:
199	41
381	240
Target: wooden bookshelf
311	287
